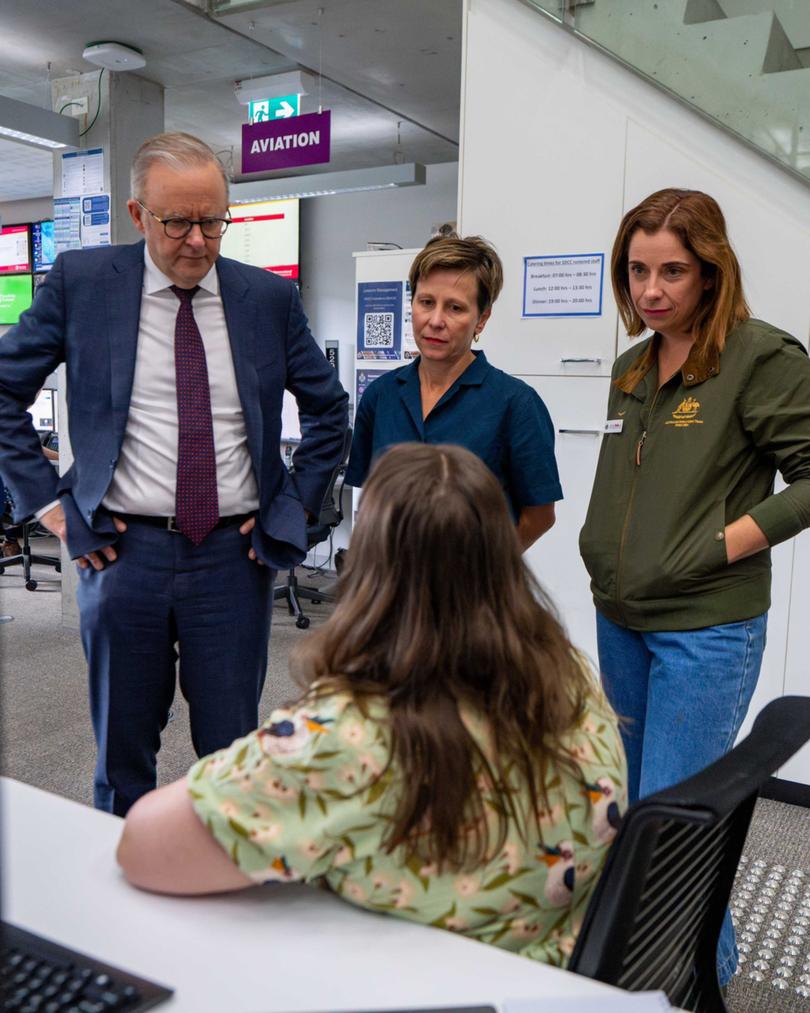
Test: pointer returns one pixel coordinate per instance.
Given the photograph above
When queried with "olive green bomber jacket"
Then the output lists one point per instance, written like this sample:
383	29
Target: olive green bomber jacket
679	463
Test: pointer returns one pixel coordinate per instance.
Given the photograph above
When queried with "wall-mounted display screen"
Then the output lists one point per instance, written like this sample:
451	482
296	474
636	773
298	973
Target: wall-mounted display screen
15	249
16	295
265	234
43	245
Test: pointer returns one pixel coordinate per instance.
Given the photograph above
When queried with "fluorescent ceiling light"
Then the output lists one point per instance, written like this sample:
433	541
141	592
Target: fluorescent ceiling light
246	189
40	128
255	89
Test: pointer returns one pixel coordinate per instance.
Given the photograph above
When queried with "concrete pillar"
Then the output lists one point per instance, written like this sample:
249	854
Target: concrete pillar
121	111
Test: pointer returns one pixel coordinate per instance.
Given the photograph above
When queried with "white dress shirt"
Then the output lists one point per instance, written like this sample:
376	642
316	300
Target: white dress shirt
145	477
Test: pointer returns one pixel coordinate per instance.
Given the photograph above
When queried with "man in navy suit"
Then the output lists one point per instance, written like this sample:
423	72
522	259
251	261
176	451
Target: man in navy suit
177	508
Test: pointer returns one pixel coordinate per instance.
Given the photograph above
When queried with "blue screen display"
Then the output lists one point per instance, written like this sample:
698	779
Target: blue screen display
44	245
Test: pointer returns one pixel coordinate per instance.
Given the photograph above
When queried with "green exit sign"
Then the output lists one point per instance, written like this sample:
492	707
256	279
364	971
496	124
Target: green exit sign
281	108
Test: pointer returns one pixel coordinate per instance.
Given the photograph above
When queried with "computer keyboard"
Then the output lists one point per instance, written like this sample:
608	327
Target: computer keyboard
39	976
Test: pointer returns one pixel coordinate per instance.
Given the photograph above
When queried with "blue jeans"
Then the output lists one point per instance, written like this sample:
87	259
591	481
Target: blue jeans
685	695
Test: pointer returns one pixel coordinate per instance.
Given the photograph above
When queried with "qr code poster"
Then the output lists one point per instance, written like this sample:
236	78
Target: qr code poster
379	320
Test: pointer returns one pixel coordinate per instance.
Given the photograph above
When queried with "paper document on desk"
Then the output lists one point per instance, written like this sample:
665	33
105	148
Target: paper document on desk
628	1002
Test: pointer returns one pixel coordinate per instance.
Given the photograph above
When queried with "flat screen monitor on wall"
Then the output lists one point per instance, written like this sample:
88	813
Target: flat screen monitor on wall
43	245
265	235
15	249
16	295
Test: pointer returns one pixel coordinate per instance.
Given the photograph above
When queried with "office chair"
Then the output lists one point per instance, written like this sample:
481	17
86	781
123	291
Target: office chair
330	516
26	558
654	918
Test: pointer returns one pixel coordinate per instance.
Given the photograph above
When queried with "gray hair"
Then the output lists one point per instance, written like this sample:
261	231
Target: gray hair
178	151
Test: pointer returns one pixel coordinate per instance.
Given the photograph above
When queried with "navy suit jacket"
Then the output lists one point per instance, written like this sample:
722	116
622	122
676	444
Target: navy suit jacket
86	315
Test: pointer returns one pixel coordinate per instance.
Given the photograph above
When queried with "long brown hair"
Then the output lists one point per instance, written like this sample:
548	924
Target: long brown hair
436	612
698	222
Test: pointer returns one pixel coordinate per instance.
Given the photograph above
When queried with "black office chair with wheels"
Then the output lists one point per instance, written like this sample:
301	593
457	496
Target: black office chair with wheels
331	514
654	918
26	558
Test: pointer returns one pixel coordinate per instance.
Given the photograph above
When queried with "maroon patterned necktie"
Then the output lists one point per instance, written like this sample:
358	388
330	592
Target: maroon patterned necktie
196	504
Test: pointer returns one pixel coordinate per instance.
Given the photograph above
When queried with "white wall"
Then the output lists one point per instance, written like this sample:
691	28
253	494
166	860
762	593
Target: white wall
333	228
16	212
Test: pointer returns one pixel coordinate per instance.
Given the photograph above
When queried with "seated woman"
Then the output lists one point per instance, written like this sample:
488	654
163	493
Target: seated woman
451	394
452	761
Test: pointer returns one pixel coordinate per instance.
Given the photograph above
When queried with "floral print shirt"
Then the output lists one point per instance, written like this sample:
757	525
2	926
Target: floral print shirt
301	799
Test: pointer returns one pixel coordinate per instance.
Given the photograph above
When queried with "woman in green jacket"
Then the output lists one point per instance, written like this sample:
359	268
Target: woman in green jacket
683	513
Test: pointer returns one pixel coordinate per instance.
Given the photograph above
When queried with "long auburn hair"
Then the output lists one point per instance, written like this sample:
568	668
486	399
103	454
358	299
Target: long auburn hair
436	612
698	222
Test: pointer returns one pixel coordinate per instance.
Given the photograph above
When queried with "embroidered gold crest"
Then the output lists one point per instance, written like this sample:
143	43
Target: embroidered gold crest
686	414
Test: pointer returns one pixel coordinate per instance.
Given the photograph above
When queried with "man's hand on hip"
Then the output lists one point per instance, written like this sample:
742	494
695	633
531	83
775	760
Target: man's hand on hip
54	521
245	529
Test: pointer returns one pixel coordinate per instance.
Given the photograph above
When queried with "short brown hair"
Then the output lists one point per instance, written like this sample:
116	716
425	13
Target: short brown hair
178	151
696	219
437	612
452	253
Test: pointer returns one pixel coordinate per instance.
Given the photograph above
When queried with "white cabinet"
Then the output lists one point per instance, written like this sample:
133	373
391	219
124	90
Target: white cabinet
577	408
772	676
528	183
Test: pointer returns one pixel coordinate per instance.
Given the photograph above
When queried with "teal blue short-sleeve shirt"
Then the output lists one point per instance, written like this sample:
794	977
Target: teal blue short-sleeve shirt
497	417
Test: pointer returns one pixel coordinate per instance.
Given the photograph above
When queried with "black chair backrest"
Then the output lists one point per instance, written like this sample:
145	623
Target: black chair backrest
331	513
654	918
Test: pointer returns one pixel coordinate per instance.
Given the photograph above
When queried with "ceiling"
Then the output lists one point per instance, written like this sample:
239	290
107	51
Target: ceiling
379	64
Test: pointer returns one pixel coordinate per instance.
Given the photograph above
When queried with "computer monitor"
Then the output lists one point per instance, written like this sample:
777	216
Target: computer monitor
16	295
43	412
265	234
43	245
15	249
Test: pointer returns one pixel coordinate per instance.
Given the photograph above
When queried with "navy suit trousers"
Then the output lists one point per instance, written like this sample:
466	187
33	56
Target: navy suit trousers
164	599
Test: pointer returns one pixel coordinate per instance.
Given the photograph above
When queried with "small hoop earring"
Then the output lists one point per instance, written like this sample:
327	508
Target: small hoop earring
476	336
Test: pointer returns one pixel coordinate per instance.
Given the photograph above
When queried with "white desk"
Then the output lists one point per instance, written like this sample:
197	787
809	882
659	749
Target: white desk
279	948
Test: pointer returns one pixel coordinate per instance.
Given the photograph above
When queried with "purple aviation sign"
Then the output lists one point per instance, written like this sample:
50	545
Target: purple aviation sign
284	144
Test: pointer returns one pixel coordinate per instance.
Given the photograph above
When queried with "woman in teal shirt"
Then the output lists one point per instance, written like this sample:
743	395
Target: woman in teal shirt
451	394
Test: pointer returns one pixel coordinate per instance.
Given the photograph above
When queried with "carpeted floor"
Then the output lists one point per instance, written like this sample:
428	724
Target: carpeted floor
47	741
45	733
771	911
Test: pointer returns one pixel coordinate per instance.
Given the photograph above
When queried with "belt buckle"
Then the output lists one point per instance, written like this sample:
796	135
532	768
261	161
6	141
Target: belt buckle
171	525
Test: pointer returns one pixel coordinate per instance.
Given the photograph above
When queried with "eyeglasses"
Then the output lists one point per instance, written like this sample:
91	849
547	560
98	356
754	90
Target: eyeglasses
179	228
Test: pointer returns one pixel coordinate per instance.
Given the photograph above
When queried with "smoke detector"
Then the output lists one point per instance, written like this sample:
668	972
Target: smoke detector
114	55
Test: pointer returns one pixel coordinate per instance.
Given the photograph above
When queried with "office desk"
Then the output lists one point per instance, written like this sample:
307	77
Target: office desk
275	948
